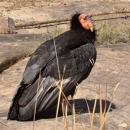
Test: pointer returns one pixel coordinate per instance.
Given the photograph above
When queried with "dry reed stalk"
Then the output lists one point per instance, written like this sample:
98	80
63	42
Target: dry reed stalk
58	104
100	100
59	86
89	112
128	124
61	82
35	107
74	118
109	107
92	117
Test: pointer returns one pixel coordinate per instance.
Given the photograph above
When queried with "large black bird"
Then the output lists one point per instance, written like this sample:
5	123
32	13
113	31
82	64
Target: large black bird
75	53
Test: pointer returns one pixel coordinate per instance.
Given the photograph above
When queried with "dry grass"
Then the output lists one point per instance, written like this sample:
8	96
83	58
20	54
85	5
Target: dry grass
103	114
111	33
57	31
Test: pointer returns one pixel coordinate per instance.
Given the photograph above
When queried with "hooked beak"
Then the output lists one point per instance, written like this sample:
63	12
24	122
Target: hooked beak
87	18
91	29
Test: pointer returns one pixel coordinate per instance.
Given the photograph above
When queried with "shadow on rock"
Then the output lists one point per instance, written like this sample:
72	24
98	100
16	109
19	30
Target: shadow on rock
80	107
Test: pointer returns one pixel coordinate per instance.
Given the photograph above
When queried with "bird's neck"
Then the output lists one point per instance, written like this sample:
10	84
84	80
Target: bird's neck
87	35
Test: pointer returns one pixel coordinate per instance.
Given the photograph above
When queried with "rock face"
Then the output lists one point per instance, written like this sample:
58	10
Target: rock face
112	67
7	25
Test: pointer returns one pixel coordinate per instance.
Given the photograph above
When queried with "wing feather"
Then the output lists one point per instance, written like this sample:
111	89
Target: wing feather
73	57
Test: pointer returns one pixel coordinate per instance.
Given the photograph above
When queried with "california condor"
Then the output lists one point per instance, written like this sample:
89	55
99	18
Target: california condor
75	53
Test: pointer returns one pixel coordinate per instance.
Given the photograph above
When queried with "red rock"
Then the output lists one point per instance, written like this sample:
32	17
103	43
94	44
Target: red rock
7	25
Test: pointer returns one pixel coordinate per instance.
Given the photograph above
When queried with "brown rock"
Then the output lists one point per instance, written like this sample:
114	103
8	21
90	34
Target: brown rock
7	25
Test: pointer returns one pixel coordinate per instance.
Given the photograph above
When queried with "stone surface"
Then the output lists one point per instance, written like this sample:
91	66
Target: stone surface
17	46
112	68
7	25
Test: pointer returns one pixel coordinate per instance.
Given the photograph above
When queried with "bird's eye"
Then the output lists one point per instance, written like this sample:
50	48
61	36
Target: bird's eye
87	18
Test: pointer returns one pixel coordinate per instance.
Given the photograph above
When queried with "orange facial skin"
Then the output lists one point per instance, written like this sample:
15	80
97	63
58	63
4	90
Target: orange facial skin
86	22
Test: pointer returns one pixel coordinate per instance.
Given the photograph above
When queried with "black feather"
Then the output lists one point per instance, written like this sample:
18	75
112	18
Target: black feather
76	52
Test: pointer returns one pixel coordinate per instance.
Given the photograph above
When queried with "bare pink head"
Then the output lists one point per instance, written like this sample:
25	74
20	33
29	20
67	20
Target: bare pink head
86	22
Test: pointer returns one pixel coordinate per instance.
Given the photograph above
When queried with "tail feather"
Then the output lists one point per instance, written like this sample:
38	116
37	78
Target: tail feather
13	111
14	107
23	103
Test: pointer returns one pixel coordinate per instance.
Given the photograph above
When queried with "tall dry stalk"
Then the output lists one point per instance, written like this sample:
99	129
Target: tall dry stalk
35	107
128	124
109	107
74	118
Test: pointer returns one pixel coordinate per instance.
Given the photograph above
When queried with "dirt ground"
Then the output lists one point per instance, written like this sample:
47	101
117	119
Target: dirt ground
46	11
112	68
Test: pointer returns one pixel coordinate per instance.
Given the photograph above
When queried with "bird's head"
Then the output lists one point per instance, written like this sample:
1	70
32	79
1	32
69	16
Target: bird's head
86	22
81	21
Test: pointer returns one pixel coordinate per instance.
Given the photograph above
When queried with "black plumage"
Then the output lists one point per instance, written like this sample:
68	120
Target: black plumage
76	56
